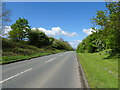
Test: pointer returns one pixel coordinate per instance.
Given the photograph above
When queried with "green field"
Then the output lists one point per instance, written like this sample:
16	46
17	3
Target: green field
100	72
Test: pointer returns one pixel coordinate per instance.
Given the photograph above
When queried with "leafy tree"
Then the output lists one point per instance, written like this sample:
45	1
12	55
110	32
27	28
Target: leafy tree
20	29
110	25
51	40
108	34
114	16
38	38
61	44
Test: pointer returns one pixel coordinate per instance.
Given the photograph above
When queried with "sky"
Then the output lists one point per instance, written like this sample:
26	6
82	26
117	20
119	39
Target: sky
67	20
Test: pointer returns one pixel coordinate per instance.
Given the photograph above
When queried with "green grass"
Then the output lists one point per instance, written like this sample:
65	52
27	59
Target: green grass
8	59
100	72
15	51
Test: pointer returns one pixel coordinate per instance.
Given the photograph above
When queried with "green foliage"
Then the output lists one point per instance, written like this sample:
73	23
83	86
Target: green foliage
61	44
89	44
114	16
14	51
20	30
38	38
51	39
107	36
12	48
24	43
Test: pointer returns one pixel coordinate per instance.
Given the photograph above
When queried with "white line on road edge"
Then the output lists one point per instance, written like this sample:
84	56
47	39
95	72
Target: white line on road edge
50	60
15	75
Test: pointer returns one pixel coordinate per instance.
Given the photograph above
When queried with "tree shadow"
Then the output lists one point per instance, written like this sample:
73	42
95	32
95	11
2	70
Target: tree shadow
113	55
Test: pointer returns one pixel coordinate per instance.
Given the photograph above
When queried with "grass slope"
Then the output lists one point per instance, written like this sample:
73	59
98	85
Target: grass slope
100	72
14	51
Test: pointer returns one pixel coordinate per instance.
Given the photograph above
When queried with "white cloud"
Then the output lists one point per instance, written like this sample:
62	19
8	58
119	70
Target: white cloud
75	43
55	31
88	31
6	30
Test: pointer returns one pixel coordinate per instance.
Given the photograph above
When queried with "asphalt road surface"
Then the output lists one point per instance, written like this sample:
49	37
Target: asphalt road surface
52	71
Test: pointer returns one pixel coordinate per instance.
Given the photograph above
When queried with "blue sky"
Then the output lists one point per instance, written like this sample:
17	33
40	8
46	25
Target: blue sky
69	20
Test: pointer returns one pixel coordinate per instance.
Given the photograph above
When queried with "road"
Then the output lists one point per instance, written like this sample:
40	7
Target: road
52	71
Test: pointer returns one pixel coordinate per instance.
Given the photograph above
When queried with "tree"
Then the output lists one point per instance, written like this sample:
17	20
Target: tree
51	40
108	34
61	44
6	13
109	24
114	16
20	29
38	38
4	17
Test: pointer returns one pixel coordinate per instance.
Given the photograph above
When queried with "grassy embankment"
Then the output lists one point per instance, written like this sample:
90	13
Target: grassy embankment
14	51
100	72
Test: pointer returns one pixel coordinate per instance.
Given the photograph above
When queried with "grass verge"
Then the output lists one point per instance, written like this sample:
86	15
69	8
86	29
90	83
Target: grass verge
100	72
9	59
17	51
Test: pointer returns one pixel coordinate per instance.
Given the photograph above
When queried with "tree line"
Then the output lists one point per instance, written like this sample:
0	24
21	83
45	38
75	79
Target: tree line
107	36
22	32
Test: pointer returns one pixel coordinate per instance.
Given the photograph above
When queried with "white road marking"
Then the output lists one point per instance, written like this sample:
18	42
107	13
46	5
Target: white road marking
15	75
50	60
66	52
60	55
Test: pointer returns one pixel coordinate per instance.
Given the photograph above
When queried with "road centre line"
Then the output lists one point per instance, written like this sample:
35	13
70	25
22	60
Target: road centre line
15	75
60	55
50	60
66	52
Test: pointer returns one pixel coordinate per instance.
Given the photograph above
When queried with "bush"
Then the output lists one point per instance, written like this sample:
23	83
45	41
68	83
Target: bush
38	38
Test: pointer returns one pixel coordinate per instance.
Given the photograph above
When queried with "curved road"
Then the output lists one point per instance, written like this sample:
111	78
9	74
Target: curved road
52	71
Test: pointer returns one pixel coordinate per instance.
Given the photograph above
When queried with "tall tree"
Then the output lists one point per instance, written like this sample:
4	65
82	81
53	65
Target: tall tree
114	15
108	34
20	29
109	23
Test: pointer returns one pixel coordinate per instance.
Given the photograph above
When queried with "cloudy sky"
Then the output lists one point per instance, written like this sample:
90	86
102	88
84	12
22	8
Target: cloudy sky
69	20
